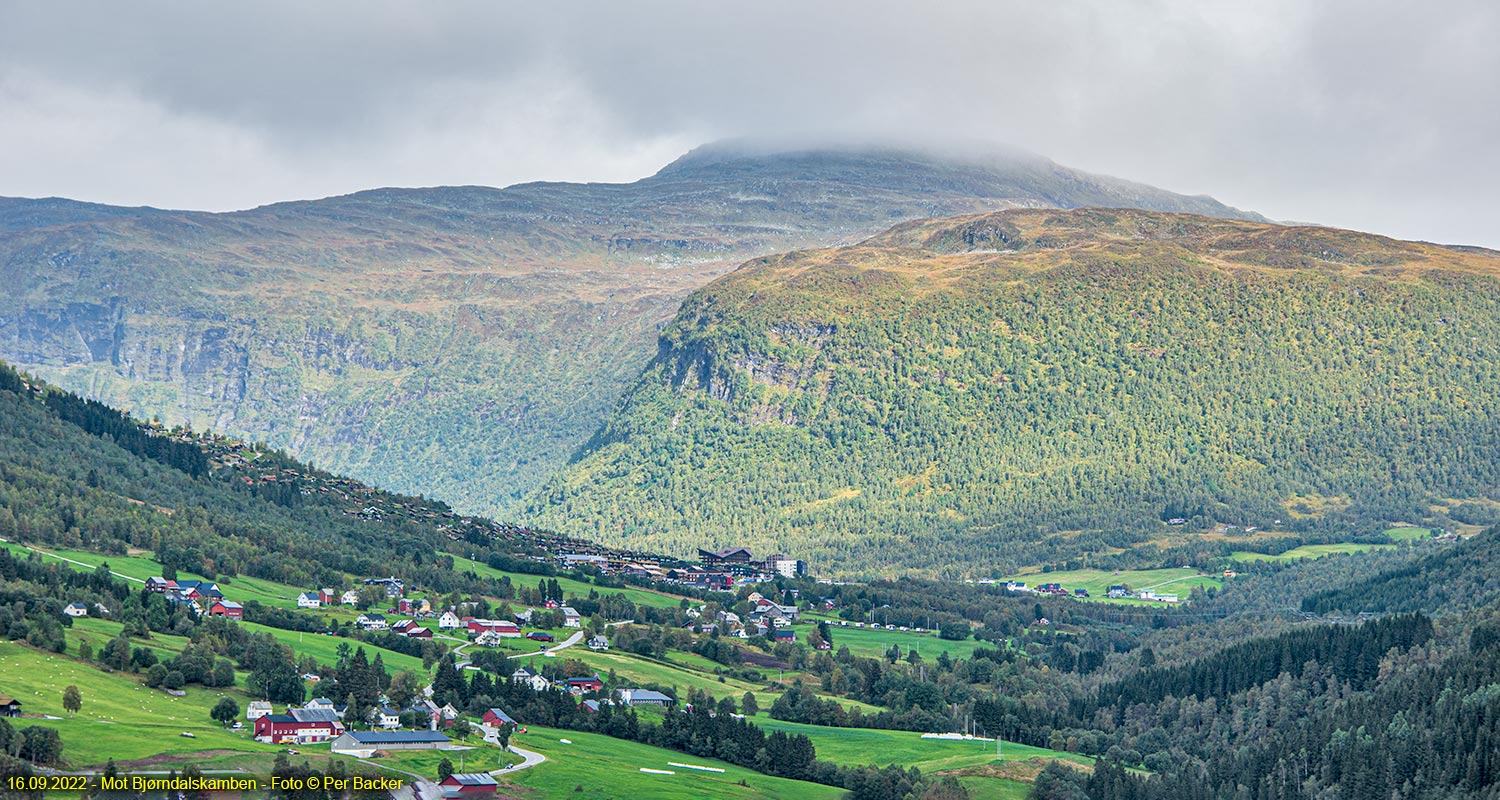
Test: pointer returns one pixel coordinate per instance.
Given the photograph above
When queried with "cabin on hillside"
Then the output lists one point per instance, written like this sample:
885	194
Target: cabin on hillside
9	706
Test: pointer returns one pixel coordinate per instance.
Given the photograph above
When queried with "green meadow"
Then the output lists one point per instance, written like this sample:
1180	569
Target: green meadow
854	746
570	586
1311	551
596	767
120	718
873	643
1179	581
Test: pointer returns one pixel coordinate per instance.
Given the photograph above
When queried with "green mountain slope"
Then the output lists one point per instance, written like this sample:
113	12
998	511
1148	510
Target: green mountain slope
457	341
952	393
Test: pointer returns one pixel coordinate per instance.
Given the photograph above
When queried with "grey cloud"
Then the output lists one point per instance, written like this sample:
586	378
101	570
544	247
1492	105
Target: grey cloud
1375	115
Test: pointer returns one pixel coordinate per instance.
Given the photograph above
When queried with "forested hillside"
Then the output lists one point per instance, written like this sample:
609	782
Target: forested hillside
458	342
77	474
983	392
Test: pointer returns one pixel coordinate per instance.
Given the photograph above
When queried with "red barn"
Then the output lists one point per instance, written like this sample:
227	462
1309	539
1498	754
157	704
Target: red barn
468	784
500	626
581	685
314	726
226	608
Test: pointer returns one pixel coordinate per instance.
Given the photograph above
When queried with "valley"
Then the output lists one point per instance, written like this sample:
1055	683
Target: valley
609	683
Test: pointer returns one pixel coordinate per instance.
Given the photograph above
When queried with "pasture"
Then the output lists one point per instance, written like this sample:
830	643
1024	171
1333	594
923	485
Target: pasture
596	767
1311	551
120	718
1179	581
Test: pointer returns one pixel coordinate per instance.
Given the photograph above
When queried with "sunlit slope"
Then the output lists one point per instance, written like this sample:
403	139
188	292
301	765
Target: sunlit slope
952	392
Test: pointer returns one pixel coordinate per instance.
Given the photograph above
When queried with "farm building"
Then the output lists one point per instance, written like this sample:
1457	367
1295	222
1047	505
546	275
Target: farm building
363	744
644	697
226	608
468	784
497	718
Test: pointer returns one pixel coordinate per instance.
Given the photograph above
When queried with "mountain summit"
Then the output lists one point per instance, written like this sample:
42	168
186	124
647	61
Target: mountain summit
456	341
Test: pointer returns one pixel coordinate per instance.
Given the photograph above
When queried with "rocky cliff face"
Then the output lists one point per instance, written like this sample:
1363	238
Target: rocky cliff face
459	342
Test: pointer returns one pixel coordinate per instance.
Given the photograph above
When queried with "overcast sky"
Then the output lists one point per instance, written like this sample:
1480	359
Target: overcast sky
1375	115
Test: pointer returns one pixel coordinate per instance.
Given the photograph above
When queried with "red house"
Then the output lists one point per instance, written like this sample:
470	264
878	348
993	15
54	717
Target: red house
226	608
581	685
327	597
496	717
468	784
418	632
314	726
500	626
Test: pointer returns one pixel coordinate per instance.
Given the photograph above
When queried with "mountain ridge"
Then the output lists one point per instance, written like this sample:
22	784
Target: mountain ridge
457	342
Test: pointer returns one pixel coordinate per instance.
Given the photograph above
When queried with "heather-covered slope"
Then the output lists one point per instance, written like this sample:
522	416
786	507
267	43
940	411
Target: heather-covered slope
986	391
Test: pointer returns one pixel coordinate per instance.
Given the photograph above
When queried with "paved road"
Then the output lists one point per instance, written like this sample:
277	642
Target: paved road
530	759
566	643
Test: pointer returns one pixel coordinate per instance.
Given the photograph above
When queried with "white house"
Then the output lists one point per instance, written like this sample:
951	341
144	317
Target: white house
76	610
598	643
350	598
571	617
257	709
371	622
535	680
449	621
386	717
489	639
308	600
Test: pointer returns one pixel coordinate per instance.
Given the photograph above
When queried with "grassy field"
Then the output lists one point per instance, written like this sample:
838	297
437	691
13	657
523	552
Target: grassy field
640	669
570	587
1408	533
1177	581
120	718
854	746
325	648
985	788
873	643
595	767
687	671
1311	551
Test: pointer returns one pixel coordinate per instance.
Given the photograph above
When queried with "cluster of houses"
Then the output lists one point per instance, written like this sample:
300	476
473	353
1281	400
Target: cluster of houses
1118	591
766	618
322	720
577	686
203	597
